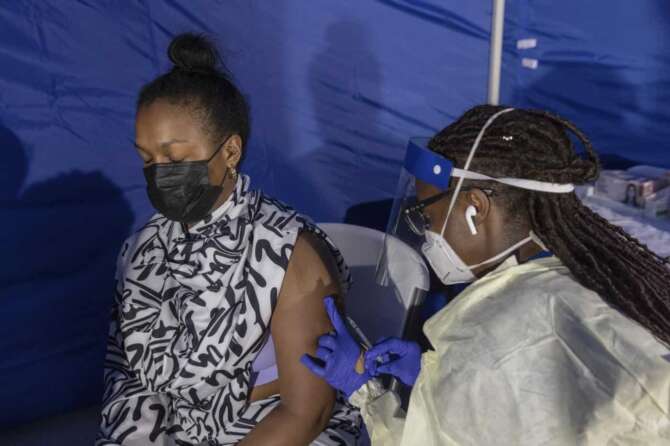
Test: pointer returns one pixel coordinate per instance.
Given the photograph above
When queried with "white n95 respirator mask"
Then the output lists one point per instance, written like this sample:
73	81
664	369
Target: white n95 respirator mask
449	267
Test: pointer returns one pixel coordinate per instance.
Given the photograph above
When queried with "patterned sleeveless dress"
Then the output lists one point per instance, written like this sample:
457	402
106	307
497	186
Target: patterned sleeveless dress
191	313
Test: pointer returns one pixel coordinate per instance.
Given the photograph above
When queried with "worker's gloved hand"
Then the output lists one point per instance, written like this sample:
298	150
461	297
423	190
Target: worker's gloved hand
339	353
396	357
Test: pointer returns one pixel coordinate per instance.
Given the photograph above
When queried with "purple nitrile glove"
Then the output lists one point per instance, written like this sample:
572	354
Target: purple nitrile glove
339	353
396	357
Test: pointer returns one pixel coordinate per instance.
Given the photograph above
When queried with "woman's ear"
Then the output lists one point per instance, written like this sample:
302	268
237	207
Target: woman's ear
232	151
482	205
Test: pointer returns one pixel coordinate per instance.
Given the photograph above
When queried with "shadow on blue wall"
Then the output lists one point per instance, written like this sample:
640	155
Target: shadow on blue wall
60	238
343	75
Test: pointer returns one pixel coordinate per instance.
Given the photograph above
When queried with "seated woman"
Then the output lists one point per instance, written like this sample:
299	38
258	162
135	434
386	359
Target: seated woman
218	294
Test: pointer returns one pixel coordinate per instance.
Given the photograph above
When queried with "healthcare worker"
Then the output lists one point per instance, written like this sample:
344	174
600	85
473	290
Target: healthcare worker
562	336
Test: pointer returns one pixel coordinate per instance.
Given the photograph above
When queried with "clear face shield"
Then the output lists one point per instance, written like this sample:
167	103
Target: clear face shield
408	225
401	258
407	221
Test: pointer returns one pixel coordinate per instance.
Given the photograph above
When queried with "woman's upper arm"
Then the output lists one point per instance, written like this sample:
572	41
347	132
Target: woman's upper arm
297	322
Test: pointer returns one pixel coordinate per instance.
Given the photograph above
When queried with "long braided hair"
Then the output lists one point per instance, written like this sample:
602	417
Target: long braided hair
534	145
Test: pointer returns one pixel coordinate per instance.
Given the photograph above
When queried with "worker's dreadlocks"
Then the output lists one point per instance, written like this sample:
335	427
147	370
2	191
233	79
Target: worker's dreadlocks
602	257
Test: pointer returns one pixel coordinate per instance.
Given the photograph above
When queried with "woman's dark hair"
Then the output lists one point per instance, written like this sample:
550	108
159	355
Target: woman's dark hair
196	83
534	145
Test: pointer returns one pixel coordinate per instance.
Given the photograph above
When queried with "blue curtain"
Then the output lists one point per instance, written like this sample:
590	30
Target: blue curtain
335	87
602	64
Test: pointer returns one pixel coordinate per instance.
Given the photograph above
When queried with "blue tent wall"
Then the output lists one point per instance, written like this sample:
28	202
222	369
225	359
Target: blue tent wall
335	88
602	64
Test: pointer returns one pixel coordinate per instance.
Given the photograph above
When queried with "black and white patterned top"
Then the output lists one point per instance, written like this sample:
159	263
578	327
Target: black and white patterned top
192	311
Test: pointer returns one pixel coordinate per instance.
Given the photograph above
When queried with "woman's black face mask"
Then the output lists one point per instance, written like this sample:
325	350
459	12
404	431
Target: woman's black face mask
181	191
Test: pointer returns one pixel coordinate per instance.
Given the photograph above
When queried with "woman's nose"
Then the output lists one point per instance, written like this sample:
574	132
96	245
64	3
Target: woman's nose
160	159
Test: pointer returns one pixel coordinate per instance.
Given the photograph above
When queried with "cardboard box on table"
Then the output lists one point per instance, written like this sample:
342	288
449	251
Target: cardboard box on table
634	186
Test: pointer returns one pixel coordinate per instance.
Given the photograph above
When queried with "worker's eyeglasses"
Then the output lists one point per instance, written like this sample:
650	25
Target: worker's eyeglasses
419	222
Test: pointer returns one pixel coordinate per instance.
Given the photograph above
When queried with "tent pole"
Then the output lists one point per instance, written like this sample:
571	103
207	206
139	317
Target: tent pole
495	57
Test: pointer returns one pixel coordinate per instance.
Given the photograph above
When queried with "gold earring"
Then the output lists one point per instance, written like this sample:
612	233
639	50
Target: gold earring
233	173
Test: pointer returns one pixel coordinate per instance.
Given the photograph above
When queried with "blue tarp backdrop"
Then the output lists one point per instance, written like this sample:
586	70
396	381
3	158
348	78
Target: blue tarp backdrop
335	88
603	64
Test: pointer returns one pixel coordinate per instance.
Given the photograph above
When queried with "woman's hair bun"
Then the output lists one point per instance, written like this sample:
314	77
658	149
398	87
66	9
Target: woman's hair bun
193	52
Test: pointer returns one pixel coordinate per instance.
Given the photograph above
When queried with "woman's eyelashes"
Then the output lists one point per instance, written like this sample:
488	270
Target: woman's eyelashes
148	159
163	156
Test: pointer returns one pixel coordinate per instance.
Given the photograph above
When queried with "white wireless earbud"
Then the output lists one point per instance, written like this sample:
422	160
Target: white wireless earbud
470	214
